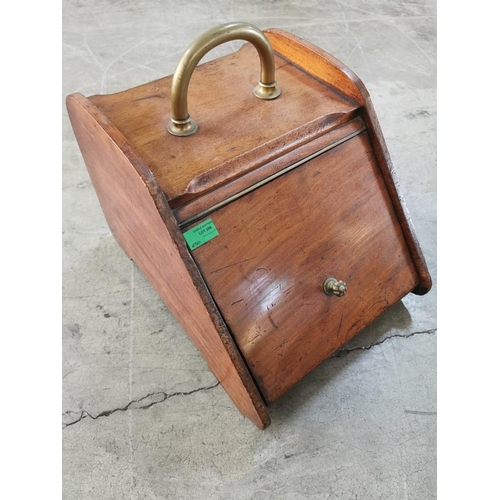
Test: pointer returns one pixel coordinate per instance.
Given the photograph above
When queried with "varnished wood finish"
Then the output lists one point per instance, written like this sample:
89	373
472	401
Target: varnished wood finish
331	71
222	151
252	177
139	217
391	181
331	217
315	61
238	132
340	214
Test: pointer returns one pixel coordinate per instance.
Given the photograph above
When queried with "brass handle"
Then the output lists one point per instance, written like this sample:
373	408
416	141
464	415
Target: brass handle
331	286
180	123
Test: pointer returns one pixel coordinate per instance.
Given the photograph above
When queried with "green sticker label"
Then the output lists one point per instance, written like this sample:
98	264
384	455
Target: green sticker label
200	234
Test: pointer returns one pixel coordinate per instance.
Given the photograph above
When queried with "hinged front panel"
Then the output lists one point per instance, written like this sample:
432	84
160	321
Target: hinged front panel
276	248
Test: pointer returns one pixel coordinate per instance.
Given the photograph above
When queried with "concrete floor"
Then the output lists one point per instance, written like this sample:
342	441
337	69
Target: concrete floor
143	416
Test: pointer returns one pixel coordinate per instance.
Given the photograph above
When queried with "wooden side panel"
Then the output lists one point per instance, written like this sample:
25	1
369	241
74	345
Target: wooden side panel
330	70
391	180
331	217
317	62
141	221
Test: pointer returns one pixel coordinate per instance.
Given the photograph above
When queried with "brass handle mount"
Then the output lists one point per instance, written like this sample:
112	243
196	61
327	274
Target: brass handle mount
331	286
181	124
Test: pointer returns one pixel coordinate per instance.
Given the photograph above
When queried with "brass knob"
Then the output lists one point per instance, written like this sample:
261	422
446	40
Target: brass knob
331	286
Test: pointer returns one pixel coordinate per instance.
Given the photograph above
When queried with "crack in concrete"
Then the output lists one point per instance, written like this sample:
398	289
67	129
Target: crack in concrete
163	396
418	412
344	352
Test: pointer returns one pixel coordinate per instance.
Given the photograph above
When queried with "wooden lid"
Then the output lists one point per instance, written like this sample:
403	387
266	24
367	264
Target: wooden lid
237	132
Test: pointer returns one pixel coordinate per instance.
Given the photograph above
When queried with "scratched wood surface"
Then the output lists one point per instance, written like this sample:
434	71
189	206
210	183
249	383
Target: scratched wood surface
141	221
333	217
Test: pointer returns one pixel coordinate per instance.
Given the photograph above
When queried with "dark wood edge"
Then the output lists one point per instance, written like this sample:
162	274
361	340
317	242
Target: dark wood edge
168	218
392	183
331	71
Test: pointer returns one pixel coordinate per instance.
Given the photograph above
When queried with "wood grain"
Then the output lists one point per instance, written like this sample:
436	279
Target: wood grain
315	61
332	216
340	214
141	221
334	73
252	177
238	132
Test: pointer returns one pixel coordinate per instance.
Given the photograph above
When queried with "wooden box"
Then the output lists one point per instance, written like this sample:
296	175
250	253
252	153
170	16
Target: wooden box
275	232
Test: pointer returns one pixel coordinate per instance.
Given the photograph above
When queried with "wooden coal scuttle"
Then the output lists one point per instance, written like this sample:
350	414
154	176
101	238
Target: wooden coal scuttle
270	223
